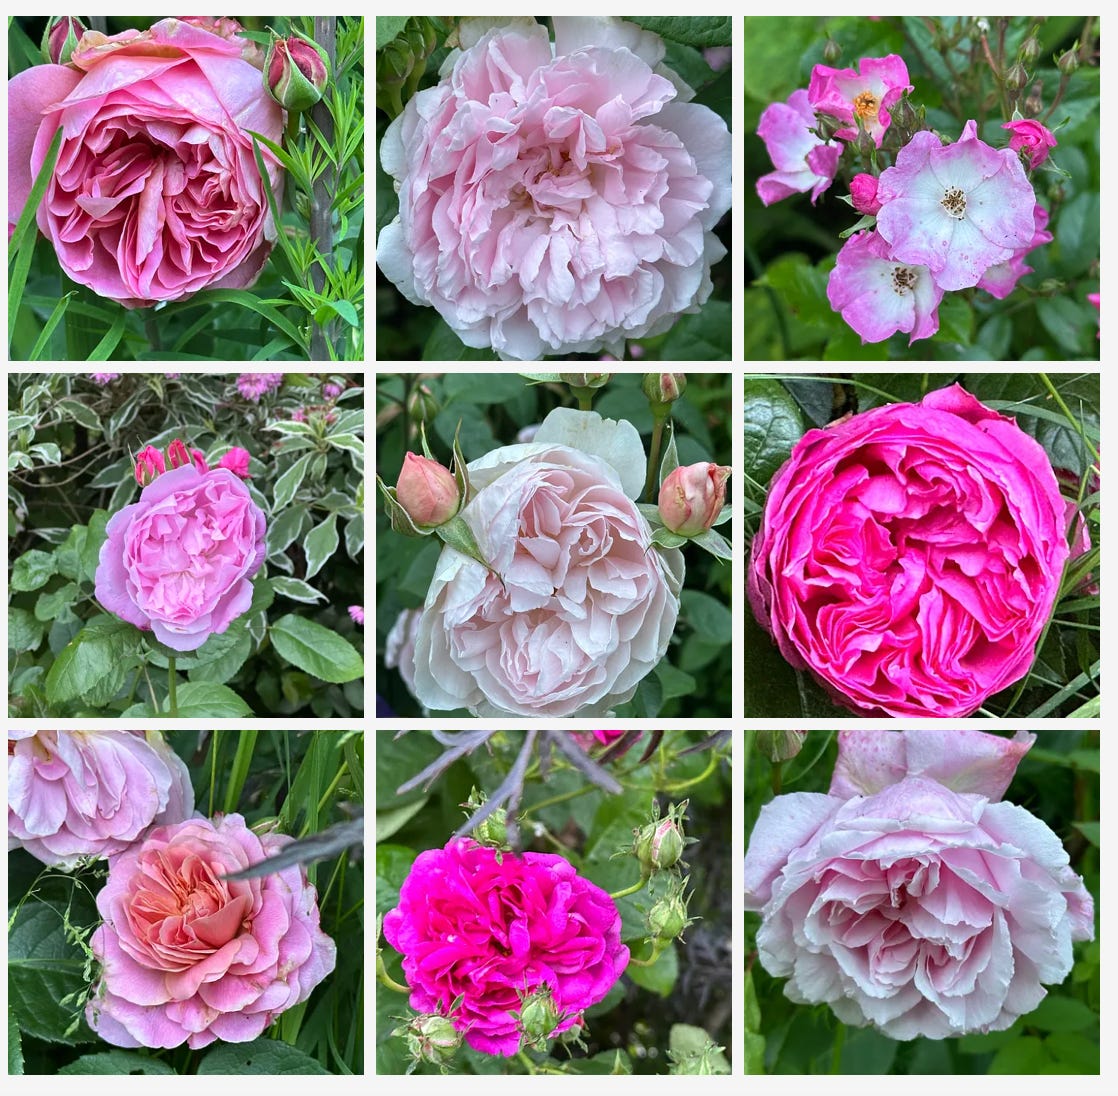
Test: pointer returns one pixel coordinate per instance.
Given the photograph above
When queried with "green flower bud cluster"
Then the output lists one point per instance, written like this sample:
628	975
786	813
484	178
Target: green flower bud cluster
402	63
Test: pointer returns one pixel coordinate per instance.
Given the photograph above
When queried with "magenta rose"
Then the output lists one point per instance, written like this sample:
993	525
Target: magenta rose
156	193
910	897
180	561
189	957
1034	137
910	556
491	927
78	794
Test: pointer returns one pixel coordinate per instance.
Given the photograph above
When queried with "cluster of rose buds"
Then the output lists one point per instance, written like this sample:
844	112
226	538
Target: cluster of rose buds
150	462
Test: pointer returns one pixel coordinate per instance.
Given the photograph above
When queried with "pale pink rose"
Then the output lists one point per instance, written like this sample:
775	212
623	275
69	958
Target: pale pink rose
577	607
692	496
180	561
156	193
866	93
910	897
1032	136
803	160
189	957
555	198
78	794
236	460
1001	279
399	646
427	491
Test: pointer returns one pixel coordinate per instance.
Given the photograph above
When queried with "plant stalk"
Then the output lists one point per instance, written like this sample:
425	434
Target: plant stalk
325	34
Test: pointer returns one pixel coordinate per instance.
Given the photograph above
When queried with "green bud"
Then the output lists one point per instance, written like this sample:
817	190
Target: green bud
584	380
422	405
61	38
659	845
431	1039
668	917
832	51
1016	78
826	125
1030	50
492	831
537	1019
780	746
663	387
1068	62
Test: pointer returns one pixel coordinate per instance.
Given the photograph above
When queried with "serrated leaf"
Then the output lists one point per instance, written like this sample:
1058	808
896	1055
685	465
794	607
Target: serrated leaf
208	700
703	336
51	605
661	977
309	646
118	1062
93	664
320	544
32	570
25	632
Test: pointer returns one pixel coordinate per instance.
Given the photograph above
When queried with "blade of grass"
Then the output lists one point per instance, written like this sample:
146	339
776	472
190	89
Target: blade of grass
355	766
214	738
112	338
242	759
1070	689
49	326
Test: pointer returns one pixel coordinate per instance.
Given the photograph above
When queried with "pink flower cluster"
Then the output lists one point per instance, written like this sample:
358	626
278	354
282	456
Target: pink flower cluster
253	386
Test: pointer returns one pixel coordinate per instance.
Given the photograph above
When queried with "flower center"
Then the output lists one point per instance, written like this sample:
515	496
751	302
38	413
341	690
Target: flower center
955	202
904	280
866	105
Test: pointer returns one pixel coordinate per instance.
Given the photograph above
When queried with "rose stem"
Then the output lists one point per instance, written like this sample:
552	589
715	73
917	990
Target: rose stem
325	34
529	1065
638	885
386	979
659	417
172	680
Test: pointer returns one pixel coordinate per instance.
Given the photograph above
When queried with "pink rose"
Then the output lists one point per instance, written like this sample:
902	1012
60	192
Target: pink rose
491	928
576	605
189	957
156	193
910	897
427	491
236	460
180	561
692	496
1030	135
77	794
803	161
554	198
866	94
910	556
863	193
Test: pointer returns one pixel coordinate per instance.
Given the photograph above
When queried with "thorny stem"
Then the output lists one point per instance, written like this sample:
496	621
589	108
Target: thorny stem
325	34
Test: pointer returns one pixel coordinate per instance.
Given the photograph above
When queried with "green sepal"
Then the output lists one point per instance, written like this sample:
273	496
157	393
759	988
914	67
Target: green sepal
458	467
723	515
665	538
670	460
868	221
715	543
458	535
397	515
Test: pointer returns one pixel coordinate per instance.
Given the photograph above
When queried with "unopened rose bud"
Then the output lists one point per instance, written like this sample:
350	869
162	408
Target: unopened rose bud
199	459
422	405
826	125
1030	50
236	460
149	464
832	51
584	380
538	1018
491	831
863	193
427	491
431	1039
177	455
668	916
61	37
692	497
1069	61
296	71
663	387
1016	78
780	746
659	845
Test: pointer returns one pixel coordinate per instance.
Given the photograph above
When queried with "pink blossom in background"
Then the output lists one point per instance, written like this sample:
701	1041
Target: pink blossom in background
555	198
1079	533
910	897
863	192
156	193
189	957
866	93
180	561
1032	136
332	391
957	209
104	378
879	296
252	386
910	556
78	794
236	460
803	160
1093	298
718	57
299	414
357	614
1001	279
493	927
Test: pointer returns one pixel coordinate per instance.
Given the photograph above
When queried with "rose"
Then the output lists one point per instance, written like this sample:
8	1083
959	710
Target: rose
691	497
802	159
180	561
553	198
866	93
156	193
189	957
486	929
1032	136
910	556
575	606
236	460
427	491
863	194
909	897
76	794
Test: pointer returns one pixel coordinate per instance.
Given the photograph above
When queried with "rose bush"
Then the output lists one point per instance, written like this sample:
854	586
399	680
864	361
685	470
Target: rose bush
910	556
78	794
156	192
910	896
491	928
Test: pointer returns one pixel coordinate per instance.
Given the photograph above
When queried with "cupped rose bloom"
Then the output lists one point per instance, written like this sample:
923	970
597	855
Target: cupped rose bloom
189	957
1032	136
1001	279
803	160
79	794
910	897
555	198
879	296
490	928
957	209
156	193
866	93
575	606
910	556
180	561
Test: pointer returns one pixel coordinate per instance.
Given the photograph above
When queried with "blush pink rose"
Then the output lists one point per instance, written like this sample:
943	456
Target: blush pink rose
576	606
156	193
910	897
491	927
180	561
910	556
79	794
189	957
555	198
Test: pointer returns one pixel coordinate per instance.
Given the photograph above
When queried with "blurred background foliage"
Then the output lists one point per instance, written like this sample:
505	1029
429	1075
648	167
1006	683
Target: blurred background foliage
790	246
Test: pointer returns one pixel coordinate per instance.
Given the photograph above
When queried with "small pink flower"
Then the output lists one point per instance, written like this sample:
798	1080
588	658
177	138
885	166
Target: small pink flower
863	192
867	93
357	614
332	391
1001	279
149	464
1034	138
802	160
254	385
427	491
236	460
692	496
299	414
104	378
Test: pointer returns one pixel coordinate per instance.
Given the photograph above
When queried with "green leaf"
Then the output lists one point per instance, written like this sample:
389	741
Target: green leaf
1057	1013
289	483
956	320
94	539
219	669
297	590
124	1062
49	327
773	425
1025	1054
707	616
15	1047
320	544
692	30
81	414
52	605
393	864
771	66
32	570
25	632
93	664
285	528
389	27
388	822
443	345
703	336
1090	830
349	442
260	1056
674	682
317	650
104	349
208	700
1066	321
661	977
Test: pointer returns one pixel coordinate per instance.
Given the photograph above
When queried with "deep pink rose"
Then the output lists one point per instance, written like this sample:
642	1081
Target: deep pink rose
77	794
236	460
180	561
909	897
492	928
863	192
156	193
865	93
1032	136
188	957
555	198
910	556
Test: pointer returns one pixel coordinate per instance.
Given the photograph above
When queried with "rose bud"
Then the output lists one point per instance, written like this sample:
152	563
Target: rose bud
663	387
422	405
692	497
199	459
236	460
431	1038
780	746
60	38
863	193
177	455
585	380
668	916
149	464
427	491
295	72
659	845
